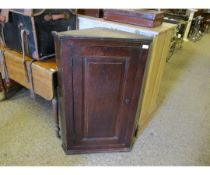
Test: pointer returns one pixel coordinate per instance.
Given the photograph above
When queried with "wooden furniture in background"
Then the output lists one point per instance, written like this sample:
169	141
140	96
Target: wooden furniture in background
44	77
2	88
100	74
43	73
29	30
143	17
161	37
8	87
98	13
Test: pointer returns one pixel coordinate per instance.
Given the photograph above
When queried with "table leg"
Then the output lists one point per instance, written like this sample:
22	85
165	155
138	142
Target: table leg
56	115
2	88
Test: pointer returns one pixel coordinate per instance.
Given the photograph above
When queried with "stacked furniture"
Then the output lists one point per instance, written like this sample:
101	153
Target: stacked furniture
104	85
161	37
109	75
43	78
145	18
29	31
27	49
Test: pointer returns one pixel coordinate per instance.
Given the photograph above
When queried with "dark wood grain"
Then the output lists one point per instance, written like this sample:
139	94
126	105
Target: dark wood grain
100	82
91	12
145	18
140	13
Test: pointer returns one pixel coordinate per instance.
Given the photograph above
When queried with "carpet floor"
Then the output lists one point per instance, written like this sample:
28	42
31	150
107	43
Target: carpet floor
177	134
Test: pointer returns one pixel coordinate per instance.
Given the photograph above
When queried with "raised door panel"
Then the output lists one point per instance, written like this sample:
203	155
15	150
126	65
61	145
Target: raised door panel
104	79
103	88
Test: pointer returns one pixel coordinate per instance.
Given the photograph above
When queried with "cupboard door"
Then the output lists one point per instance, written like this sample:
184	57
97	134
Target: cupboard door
106	84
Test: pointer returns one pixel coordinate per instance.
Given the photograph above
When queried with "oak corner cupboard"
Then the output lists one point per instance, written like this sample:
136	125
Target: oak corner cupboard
100	74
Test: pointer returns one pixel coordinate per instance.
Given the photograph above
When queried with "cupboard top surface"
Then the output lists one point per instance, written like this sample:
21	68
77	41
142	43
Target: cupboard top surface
101	33
90	22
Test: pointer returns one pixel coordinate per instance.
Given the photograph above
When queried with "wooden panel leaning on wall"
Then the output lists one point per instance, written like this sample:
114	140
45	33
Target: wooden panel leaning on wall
155	72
